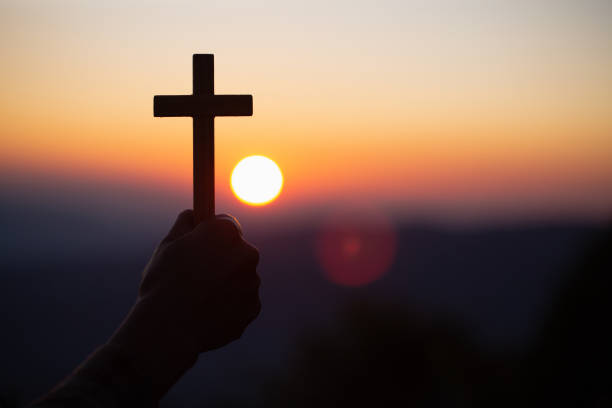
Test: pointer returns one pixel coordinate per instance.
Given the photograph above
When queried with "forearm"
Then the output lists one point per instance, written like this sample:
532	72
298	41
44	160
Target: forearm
136	367
159	349
108	378
198	293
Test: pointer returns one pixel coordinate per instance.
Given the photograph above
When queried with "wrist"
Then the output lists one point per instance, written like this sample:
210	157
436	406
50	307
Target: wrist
112	369
158	348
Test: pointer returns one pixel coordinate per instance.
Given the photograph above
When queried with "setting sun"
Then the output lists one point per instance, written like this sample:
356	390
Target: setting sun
256	180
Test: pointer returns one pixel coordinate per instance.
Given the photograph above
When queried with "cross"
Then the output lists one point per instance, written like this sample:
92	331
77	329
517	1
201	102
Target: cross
203	106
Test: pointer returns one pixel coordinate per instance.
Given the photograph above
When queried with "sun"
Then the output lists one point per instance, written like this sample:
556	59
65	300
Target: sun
256	180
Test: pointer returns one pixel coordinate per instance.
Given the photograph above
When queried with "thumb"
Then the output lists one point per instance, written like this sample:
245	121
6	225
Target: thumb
184	223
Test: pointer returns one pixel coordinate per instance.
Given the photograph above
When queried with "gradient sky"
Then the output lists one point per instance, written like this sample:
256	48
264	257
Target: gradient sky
501	108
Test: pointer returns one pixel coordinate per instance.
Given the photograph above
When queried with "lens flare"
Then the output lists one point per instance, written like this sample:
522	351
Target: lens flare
256	180
356	248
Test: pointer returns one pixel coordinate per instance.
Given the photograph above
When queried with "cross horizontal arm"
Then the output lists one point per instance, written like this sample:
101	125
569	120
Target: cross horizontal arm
202	105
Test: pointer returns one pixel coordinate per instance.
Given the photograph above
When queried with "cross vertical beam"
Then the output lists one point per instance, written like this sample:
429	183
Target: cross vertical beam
203	140
203	105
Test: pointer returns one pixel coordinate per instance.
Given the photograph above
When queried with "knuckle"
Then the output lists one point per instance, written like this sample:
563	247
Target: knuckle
227	229
250	253
230	219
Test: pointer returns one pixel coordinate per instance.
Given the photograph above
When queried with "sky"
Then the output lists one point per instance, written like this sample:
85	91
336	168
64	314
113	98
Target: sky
453	109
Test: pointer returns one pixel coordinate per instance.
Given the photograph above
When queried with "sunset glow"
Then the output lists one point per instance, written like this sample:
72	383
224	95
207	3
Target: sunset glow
454	109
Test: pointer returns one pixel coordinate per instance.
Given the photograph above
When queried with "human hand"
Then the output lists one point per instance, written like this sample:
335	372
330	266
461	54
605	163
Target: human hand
204	278
199	292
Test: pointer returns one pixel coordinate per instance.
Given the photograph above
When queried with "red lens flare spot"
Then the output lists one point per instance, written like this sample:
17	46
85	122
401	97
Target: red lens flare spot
351	246
356	249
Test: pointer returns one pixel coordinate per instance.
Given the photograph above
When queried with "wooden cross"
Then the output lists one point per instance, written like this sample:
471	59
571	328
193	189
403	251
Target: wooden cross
203	106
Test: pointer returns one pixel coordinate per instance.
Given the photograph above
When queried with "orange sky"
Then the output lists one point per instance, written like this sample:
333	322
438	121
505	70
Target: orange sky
483	103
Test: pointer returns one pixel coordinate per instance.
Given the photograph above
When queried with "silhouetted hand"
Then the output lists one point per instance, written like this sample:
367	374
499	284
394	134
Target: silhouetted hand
199	292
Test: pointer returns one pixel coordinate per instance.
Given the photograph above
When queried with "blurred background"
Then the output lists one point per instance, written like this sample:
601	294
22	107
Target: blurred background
442	235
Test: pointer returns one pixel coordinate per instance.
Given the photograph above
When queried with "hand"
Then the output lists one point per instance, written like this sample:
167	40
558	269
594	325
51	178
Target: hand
198	292
204	278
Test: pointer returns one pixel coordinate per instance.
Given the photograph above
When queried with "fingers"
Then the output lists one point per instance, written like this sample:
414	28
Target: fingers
245	300
250	254
223	229
244	281
206	272
226	229
232	219
245	257
184	224
222	236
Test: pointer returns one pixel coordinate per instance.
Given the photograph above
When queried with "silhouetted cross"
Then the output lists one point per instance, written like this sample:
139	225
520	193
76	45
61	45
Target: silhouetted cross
203	106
